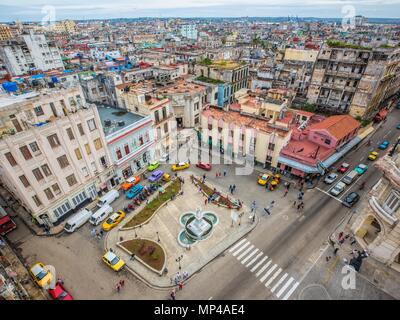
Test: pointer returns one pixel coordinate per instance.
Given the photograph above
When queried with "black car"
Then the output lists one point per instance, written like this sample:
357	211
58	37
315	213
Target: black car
351	199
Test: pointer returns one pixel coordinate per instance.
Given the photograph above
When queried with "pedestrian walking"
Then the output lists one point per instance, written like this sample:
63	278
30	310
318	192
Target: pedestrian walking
302	205
132	256
122	283
93	232
335	250
294	203
118	287
268	209
230	188
180	286
216	174
206	201
298	206
173	295
285	192
224	173
234	188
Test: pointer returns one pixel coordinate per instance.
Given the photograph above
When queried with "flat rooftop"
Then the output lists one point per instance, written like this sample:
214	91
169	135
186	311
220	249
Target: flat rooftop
119	118
10	99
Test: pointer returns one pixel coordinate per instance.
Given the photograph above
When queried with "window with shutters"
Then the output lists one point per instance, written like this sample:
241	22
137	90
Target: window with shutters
38	111
53	141
78	153
118	153
166	127
126	148
87	147
10	159
97	144
164	112
70	134
91	124
80	128
63	161
38	174
56	188
37	200
34	147
46	170
156	116
26	153
392	202
24	181
49	194
71	180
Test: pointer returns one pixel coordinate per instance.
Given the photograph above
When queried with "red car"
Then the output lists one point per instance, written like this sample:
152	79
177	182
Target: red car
344	167
59	293
205	166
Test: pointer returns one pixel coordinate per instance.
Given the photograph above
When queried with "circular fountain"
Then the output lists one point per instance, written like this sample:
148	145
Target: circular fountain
197	226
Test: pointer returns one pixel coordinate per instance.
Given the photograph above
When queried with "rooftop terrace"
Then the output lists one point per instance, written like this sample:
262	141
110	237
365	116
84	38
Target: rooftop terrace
115	119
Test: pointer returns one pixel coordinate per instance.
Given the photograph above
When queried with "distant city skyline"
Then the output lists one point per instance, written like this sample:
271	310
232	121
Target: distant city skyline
26	10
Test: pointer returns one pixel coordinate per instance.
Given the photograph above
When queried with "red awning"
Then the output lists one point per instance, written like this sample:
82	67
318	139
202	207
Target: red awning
4	220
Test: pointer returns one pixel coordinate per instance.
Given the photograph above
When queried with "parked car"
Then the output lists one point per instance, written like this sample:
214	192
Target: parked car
133	192
41	276
350	177
180	166
78	220
373	155
351	199
338	189
153	166
156	175
204	166
108	198
113	220
130	182
398	126
344	167
164	158
330	178
6	225
59	293
361	168
113	261
384	145
263	179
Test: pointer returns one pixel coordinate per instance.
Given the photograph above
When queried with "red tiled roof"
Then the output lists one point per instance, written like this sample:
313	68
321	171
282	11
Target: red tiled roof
338	126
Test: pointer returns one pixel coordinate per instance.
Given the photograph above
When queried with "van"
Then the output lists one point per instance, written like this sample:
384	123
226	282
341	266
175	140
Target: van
78	220
349	178
108	198
100	214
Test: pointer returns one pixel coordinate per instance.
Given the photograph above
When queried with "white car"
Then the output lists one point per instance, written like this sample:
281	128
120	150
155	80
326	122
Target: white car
164	158
330	178
338	189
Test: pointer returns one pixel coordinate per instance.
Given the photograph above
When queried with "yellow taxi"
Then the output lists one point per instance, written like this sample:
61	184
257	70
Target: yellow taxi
113	220
373	155
180	166
41	276
263	179
113	261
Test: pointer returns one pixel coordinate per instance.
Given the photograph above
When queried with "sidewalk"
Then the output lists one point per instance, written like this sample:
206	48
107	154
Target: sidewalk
375	272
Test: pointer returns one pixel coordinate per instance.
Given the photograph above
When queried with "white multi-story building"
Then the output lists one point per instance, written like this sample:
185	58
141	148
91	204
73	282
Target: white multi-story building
189	31
53	155
30	52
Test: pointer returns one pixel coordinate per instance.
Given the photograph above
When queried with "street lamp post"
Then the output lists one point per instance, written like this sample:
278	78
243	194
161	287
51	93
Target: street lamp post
179	261
135	232
158	237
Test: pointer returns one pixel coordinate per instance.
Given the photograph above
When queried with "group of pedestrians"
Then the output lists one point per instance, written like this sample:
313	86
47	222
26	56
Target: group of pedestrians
97	235
232	188
120	285
218	174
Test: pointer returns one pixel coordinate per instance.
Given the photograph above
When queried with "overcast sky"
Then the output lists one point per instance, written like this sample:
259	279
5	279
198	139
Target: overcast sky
97	9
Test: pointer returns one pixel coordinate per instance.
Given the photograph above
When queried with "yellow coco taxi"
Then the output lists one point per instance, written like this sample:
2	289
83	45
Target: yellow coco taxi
41	276
263	179
180	166
113	261
113	220
373	155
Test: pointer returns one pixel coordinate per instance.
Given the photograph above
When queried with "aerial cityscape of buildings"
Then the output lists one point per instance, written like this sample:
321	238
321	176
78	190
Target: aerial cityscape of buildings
95	108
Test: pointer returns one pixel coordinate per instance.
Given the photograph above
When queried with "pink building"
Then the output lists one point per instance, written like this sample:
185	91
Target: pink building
316	145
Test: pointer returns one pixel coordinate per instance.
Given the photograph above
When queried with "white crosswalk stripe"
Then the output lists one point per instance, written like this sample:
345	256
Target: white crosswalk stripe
273	277
287	296
241	256
286	285
263	268
237	245
254	260
266	275
250	255
240	249
259	264
279	282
